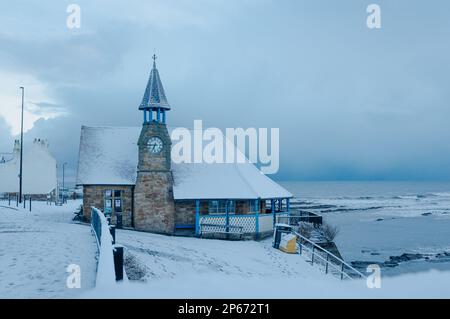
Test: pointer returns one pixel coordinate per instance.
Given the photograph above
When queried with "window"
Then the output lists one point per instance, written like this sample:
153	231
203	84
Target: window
213	207
219	206
118	205
254	206
113	197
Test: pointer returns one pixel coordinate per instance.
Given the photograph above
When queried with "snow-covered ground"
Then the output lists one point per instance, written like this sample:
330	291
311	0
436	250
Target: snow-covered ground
36	248
176	267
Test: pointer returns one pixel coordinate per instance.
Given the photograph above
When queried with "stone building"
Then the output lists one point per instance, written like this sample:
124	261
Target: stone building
128	173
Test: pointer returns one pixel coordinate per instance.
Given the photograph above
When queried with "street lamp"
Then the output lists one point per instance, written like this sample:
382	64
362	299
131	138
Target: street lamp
64	188
21	148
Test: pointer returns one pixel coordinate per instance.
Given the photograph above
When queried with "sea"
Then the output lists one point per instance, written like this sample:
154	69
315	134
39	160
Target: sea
402	226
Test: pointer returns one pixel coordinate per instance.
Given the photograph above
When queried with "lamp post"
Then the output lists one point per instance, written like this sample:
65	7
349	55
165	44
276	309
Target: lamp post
21	148
63	184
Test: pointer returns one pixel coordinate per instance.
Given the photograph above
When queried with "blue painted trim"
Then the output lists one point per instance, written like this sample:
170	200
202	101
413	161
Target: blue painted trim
227	216
145	116
151	115
158	115
197	217
272	203
230	215
288	206
184	226
257	216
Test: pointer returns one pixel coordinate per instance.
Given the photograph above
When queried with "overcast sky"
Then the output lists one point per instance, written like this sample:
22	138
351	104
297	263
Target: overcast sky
350	102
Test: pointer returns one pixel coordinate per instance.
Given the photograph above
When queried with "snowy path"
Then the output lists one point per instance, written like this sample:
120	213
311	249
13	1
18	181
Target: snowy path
37	247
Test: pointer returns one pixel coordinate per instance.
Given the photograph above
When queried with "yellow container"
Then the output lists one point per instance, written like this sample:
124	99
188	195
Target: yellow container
288	243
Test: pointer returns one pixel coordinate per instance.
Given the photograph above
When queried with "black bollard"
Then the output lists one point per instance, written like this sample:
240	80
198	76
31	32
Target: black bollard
118	262
112	230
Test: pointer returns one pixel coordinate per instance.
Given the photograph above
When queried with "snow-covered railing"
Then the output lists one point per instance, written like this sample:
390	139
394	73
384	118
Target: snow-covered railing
321	256
110	260
13	200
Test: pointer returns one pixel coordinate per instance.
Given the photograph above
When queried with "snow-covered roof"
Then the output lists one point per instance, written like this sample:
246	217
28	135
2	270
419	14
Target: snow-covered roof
154	95
109	156
39	170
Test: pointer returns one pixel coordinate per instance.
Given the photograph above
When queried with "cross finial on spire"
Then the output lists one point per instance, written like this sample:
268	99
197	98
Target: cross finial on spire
154	57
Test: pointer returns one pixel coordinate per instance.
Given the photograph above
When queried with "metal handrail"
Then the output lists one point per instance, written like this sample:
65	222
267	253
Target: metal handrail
328	263
329	254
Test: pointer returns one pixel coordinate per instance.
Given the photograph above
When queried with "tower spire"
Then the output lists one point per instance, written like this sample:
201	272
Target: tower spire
154	100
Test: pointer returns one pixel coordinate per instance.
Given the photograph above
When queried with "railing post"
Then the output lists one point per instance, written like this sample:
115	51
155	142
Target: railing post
272	206
9	199
112	230
118	262
326	266
257	217
30	203
342	271
24	201
312	258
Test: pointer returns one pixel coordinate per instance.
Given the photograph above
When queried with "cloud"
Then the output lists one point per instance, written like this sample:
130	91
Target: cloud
350	103
6	140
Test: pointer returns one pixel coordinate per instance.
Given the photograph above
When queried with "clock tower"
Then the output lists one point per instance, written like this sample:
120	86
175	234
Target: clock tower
154	208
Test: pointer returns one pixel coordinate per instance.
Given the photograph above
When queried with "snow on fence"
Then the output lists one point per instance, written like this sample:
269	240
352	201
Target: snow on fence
110	260
13	200
322	257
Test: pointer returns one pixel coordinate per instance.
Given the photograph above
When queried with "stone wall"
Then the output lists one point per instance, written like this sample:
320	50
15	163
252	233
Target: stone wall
185	212
94	195
154	207
243	207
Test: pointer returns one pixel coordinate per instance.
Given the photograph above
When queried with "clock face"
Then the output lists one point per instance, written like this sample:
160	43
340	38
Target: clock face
155	145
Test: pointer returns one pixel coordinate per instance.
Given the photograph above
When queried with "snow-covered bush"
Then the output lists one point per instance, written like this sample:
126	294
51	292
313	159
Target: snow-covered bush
329	232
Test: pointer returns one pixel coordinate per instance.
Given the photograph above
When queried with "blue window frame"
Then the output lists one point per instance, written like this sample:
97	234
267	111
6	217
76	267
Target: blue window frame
219	206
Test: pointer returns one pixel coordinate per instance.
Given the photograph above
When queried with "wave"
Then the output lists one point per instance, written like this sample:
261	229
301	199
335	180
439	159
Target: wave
345	209
441	194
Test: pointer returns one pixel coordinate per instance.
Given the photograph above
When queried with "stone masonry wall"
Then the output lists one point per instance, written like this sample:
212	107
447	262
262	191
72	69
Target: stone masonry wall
154	207
94	196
